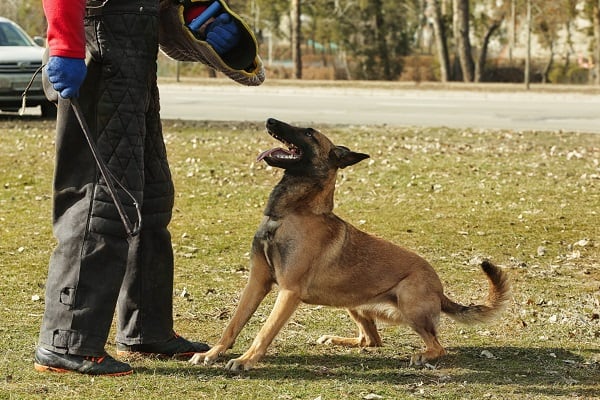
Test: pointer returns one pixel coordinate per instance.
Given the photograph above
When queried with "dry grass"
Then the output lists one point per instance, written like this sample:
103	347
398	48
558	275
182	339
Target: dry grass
527	200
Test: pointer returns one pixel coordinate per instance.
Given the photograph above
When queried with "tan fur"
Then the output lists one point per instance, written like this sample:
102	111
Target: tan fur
317	258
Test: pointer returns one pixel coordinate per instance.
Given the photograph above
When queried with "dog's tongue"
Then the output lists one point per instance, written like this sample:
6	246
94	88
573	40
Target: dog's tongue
267	153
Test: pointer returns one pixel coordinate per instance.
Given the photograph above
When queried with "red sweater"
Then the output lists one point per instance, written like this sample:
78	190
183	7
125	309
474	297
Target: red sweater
66	36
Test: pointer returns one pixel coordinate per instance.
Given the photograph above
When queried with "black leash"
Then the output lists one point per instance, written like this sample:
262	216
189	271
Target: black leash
109	178
131	229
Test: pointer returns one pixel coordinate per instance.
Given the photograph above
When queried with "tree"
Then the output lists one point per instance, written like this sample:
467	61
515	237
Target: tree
487	22
27	13
296	35
381	39
549	19
371	37
493	27
441	44
596	24
592	12
463	41
375	34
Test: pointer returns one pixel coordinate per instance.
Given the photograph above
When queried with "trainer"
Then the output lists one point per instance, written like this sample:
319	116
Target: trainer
104	54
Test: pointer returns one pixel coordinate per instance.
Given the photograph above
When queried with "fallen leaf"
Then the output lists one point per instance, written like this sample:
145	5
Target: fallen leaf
372	396
487	354
570	381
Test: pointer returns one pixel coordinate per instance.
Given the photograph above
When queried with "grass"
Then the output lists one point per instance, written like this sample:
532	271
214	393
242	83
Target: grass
529	201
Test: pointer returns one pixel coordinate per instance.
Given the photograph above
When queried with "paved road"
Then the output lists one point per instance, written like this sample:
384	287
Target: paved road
520	110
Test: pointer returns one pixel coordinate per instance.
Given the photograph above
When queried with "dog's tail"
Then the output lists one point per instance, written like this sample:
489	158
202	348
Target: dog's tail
498	297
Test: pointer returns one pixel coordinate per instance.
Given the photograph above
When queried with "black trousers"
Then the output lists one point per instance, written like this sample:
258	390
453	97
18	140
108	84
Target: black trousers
95	268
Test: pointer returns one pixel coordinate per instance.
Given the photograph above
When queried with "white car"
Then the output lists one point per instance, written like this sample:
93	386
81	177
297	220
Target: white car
20	58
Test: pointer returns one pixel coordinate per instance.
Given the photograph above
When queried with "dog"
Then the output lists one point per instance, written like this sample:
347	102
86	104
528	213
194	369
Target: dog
315	257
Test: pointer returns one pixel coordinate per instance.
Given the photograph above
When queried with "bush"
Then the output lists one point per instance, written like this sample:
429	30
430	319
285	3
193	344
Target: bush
572	75
420	68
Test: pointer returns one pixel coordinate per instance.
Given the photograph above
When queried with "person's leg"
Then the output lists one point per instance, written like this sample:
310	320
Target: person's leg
88	263
145	306
87	268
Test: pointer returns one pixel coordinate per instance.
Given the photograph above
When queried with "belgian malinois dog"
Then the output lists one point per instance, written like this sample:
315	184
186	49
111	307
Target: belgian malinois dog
317	258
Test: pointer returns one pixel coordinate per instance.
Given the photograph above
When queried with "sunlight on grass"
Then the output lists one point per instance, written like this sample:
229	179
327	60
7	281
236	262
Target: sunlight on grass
529	201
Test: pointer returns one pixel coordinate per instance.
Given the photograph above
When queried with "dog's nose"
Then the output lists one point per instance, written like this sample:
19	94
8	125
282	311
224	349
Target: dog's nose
271	121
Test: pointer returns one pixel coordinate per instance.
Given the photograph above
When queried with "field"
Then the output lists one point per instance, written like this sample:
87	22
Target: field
529	201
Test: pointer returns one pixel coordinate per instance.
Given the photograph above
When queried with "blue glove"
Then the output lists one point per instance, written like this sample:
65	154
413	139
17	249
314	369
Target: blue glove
223	33
66	75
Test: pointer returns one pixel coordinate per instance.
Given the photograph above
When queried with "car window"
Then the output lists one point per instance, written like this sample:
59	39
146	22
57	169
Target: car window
12	36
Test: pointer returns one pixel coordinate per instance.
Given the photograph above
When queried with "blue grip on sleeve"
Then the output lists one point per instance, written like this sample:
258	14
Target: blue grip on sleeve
202	18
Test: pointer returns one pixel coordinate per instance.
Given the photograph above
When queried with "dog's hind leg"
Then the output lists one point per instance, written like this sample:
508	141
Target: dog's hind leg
286	303
425	327
368	336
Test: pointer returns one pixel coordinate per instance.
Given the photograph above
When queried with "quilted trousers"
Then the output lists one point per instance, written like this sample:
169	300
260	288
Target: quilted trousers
96	268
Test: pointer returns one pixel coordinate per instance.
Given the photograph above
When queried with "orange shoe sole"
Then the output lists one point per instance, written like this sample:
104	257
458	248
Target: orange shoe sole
45	368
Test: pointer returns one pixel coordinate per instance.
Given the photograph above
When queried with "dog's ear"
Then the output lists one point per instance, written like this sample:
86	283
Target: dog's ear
344	157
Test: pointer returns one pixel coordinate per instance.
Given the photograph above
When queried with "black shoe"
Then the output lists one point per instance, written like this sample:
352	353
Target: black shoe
176	347
50	361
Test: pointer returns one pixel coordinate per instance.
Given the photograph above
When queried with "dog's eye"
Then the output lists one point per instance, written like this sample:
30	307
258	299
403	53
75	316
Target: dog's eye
309	132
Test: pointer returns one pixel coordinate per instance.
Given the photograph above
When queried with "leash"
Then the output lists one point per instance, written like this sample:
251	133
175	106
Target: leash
133	229
24	94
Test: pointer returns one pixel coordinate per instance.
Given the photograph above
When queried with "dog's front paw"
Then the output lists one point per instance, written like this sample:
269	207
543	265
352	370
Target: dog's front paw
198	358
239	365
207	358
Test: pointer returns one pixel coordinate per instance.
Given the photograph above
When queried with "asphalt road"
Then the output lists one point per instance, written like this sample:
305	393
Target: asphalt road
519	110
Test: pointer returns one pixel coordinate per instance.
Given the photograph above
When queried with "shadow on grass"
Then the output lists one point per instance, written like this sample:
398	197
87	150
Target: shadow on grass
548	371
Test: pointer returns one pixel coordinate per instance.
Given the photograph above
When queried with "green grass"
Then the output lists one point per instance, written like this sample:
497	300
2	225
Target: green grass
529	201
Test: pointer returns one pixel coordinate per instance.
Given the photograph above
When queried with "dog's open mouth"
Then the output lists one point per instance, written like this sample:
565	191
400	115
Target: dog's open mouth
292	153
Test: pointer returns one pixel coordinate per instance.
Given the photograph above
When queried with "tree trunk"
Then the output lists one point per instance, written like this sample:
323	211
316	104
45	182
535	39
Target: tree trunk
528	55
568	48
479	68
296	39
463	42
380	37
597	44
440	39
549	64
512	39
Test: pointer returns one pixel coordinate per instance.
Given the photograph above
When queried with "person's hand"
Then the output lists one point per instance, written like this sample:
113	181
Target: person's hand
223	33
66	75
